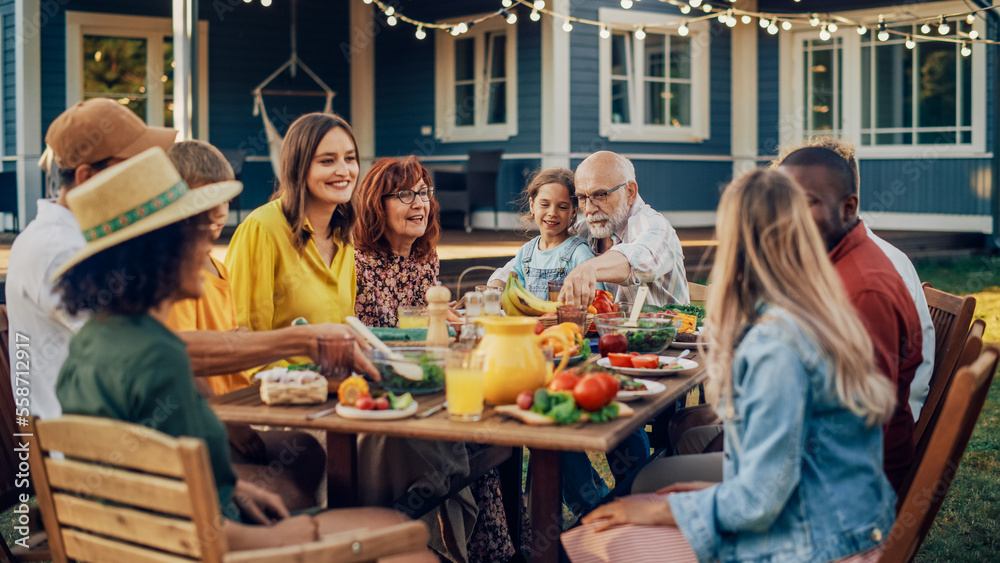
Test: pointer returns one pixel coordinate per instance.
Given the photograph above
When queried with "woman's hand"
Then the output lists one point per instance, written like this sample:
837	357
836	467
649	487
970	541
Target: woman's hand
629	510
685	487
259	505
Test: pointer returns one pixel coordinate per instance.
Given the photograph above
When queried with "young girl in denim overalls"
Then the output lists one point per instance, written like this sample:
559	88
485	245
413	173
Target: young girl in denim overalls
552	255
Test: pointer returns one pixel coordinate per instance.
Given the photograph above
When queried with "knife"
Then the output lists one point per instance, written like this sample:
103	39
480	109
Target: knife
321	414
432	410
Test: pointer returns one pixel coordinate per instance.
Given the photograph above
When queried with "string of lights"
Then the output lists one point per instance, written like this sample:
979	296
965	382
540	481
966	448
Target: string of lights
727	14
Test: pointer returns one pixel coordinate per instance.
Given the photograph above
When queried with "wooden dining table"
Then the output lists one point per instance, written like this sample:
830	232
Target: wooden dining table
545	443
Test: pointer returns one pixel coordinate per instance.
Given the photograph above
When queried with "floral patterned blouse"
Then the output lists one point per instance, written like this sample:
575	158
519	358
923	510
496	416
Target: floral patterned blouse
386	281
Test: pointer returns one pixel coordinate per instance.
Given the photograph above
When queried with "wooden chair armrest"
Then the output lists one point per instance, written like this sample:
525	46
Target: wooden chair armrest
348	547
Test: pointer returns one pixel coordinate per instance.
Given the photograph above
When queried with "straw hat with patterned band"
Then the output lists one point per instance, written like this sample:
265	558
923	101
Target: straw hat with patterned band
135	197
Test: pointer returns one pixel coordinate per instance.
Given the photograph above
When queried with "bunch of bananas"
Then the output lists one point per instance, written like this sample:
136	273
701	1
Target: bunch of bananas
517	301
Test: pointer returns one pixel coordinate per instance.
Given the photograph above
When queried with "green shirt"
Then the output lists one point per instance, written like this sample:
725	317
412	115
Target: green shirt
133	368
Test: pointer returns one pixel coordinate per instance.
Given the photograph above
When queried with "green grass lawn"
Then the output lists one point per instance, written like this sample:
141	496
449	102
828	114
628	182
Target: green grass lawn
968	526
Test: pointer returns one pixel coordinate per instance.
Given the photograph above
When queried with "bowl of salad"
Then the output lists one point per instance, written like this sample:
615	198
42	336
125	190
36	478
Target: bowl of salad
429	360
651	335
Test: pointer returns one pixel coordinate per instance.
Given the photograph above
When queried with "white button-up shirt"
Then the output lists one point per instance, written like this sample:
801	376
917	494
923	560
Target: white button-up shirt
33	305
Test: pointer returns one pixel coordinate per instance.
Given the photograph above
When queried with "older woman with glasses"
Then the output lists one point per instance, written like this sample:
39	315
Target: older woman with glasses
395	237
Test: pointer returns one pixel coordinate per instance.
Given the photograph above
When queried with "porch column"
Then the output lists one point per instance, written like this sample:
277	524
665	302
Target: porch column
743	97
28	103
555	89
185	20
362	62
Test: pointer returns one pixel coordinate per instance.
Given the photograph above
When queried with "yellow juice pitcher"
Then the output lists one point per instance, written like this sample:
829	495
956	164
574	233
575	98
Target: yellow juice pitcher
512	357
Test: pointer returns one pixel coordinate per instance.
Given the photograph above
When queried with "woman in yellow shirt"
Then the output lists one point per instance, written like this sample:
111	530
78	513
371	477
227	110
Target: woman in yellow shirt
293	256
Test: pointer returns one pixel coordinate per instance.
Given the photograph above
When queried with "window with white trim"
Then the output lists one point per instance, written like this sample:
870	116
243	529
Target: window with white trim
129	59
653	80
476	86
822	74
916	95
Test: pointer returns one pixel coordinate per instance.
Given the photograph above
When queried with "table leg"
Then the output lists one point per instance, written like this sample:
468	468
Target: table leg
510	490
341	470
545	505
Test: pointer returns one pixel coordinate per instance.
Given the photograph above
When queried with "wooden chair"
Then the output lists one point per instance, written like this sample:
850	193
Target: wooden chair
949	437
952	316
9	494
697	292
125	492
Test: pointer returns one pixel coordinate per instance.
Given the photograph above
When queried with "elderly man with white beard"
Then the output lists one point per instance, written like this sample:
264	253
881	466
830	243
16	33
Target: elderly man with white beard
632	242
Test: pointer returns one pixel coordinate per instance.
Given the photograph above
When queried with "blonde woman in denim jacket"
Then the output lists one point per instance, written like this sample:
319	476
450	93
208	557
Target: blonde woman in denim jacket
801	400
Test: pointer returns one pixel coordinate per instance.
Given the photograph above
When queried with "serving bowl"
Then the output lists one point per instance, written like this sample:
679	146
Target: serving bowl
652	335
430	360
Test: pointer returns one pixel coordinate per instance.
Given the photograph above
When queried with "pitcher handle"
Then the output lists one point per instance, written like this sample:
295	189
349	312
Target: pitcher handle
566	346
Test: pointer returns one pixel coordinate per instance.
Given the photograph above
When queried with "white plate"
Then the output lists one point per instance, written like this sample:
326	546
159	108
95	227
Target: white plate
687	367
652	388
686	345
351	412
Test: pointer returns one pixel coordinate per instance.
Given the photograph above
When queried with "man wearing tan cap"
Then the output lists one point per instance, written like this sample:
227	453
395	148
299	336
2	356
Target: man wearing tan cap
83	140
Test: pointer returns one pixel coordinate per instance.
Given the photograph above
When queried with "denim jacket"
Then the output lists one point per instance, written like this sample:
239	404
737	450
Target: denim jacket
803	479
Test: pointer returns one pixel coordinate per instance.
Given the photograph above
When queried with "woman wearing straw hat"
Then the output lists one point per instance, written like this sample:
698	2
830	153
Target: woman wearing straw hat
147	236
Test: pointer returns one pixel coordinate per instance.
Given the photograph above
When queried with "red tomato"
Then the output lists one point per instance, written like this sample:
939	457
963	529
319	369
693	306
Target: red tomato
646	361
564	382
610	384
365	403
525	399
590	394
382	403
620	360
633	353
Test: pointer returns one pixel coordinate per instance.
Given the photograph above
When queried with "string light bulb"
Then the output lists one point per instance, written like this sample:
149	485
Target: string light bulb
511	18
539	4
391	20
966	50
772	29
731	19
746	19
833	27
814	20
685	9
683	30
421	34
764	23
567	26
390	11
627	4
973	34
925	29
970	19
640	34
463	27
824	35
507	3
862	30
454	32
883	35
786	25
707	8
535	16
943	27
605	32
910	43
366	1
265	3
695	3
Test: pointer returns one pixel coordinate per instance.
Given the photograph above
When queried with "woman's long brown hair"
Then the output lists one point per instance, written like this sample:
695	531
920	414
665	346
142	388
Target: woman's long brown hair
297	151
386	176
770	250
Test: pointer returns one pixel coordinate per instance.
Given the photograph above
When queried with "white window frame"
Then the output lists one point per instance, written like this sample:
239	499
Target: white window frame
793	94
444	91
153	30
638	130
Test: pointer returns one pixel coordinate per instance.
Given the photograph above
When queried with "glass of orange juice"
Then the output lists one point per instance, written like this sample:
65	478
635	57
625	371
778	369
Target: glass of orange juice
412	317
464	385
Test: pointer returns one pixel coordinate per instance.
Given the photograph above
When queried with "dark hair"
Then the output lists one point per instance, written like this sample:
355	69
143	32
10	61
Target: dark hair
199	163
297	151
839	168
386	176
562	176
67	176
132	277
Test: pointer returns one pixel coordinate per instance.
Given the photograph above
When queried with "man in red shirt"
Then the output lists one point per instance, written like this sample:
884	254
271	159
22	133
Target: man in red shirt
873	286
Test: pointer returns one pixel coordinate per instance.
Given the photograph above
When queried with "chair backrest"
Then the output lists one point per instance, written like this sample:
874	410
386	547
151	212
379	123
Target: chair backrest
124	492
931	412
952	316
697	292
481	177
949	437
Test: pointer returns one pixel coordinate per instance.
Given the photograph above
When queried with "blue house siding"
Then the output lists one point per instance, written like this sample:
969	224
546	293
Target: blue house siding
404	94
958	186
7	94
667	185
768	90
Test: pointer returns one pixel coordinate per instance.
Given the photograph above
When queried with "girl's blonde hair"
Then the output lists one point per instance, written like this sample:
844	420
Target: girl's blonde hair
770	250
562	176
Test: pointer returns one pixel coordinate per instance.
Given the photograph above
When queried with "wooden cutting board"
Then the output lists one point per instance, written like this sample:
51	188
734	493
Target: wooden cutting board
535	419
